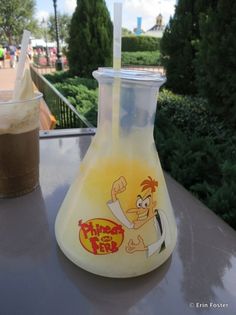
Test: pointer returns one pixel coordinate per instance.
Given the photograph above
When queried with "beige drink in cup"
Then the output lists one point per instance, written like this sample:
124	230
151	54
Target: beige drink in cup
19	144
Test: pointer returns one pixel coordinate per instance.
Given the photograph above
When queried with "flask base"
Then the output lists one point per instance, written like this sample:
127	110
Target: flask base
123	270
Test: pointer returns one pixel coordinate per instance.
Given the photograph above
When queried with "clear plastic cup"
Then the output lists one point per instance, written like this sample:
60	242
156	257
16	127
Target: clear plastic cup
19	145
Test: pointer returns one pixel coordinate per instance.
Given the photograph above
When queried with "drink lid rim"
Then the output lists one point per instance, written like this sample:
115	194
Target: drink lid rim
37	96
128	74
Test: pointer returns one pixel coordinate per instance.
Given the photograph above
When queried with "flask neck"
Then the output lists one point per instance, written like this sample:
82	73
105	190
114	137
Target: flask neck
134	113
136	144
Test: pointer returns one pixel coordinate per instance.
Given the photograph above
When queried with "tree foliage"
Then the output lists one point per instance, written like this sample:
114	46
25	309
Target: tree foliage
90	41
64	21
178	45
126	31
178	51
15	16
216	61
198	149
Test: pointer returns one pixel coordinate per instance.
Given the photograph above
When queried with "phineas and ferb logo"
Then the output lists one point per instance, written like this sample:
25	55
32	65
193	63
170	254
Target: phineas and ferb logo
101	236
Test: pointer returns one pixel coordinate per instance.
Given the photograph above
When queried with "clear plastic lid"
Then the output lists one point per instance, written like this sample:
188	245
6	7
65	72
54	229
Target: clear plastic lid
130	75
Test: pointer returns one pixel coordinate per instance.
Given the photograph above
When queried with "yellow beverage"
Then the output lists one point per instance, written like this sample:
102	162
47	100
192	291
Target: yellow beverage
100	238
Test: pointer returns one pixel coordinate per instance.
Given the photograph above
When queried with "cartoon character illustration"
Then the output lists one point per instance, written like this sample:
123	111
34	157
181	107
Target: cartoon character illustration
145	209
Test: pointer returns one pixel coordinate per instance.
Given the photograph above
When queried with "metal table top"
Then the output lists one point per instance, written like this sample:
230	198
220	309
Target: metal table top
37	279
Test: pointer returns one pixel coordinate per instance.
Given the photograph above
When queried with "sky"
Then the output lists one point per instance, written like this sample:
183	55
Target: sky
147	9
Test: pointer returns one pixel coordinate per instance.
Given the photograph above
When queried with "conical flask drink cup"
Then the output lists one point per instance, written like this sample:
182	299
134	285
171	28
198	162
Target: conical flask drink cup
117	219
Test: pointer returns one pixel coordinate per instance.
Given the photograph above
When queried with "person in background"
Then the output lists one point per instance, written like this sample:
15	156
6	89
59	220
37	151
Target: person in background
12	50
2	57
18	53
30	52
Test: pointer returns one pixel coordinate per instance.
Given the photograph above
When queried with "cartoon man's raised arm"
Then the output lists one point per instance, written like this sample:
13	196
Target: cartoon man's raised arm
118	187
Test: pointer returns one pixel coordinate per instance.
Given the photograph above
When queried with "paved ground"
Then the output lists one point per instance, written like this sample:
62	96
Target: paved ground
8	74
7	77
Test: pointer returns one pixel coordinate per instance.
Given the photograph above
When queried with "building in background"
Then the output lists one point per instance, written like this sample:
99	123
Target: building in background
158	29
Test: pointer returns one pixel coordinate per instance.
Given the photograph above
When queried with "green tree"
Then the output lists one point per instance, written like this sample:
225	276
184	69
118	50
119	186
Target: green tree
178	45
15	16
63	25
90	41
216	62
126	32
